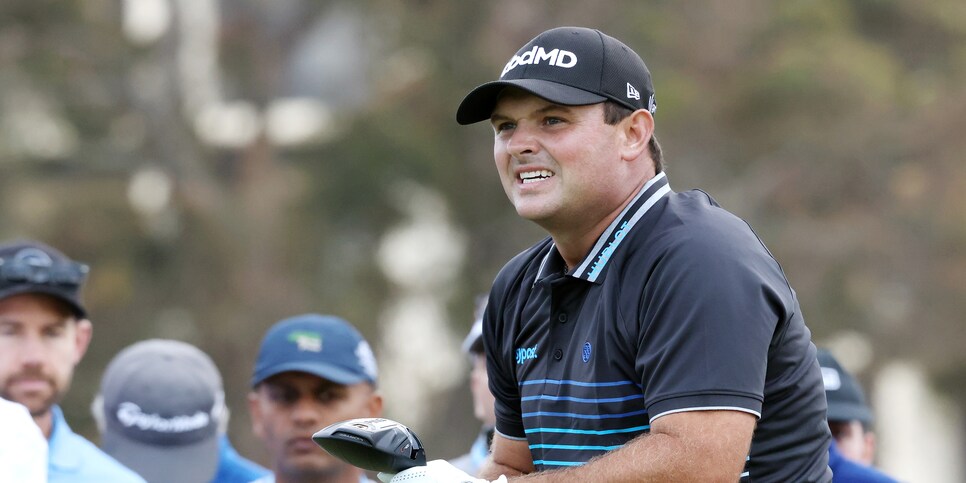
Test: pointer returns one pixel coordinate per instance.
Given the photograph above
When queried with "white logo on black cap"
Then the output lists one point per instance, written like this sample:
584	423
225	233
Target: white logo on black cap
536	55
831	379
632	93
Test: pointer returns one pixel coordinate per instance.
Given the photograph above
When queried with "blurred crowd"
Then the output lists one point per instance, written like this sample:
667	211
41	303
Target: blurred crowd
160	408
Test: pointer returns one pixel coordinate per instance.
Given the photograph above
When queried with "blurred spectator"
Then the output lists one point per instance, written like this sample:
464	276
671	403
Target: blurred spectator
44	333
23	449
482	398
311	371
161	411
852	451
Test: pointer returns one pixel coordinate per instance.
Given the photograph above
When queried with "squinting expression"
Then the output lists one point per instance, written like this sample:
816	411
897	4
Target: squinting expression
560	165
287	409
40	343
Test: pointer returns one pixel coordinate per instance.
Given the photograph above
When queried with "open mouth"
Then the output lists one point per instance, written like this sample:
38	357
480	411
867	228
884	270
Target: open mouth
534	176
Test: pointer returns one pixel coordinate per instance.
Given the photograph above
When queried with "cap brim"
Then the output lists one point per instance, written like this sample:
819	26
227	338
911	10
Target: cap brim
849	412
479	103
43	289
326	371
196	462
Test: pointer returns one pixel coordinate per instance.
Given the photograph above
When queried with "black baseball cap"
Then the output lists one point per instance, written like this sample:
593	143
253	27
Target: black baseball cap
846	402
33	267
572	66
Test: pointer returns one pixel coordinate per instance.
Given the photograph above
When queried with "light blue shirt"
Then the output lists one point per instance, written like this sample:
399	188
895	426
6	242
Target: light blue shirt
74	459
233	468
271	479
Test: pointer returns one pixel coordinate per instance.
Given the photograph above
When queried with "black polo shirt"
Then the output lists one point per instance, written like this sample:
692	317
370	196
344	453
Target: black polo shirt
678	307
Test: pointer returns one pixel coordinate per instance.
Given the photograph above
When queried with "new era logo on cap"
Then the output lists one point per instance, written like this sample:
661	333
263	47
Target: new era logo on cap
632	92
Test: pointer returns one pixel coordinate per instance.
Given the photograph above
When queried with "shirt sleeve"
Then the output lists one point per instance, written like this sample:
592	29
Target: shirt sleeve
711	307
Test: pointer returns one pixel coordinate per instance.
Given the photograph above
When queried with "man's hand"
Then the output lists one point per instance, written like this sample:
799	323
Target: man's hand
436	471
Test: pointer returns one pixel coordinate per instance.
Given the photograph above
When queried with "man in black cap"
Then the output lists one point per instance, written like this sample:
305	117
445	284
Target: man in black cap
44	333
651	336
852	452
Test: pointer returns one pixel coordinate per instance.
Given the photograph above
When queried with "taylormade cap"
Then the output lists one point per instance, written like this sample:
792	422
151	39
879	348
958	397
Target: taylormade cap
162	404
571	66
846	402
32	267
322	345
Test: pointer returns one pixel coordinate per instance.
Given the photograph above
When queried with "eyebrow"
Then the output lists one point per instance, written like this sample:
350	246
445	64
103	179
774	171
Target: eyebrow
543	110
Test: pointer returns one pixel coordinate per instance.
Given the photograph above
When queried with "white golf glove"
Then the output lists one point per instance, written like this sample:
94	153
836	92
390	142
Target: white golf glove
436	471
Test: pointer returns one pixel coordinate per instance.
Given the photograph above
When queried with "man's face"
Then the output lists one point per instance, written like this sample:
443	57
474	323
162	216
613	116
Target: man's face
288	408
40	343
561	166
853	441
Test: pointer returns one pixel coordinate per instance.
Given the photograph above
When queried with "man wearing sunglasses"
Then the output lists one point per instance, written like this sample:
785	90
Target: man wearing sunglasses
44	333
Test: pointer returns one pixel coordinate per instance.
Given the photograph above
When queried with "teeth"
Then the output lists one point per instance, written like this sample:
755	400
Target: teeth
533	176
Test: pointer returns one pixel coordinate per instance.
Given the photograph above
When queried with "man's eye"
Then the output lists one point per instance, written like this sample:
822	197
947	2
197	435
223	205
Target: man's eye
283	396
553	120
503	126
330	395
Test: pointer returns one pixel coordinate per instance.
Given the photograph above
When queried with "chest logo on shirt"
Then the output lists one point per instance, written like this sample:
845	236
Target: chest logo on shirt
585	354
526	353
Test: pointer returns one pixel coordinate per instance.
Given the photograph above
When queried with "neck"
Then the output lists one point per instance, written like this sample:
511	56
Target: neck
46	422
575	241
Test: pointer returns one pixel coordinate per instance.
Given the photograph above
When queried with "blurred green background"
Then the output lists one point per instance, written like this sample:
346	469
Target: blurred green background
225	164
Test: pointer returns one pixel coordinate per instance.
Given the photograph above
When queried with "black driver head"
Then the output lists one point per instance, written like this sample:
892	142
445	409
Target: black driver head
373	444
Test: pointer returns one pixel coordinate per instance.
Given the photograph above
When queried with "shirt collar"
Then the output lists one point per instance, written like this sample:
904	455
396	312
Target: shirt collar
592	267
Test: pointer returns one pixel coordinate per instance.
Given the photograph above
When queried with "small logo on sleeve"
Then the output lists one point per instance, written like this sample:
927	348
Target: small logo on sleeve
526	353
585	354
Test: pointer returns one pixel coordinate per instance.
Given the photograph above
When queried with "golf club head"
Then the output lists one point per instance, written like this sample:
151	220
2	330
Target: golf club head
373	444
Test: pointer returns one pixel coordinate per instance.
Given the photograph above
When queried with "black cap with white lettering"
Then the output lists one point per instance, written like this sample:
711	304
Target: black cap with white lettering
573	66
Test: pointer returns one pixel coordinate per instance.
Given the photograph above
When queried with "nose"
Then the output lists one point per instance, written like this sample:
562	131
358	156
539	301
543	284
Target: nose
31	351
306	412
522	141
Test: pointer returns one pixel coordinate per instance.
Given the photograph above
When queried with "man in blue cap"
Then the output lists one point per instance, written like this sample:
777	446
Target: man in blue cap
311	371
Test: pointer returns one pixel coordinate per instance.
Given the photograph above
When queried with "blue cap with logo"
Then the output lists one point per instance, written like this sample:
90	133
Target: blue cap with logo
321	345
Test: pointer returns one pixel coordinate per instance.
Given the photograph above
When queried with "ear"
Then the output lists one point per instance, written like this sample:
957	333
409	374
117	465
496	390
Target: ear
868	447
255	411
375	404
82	338
636	131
